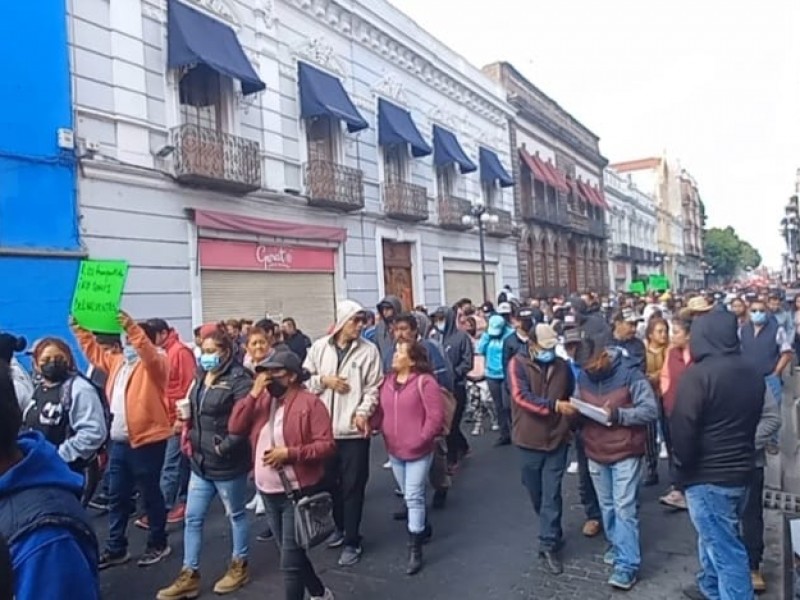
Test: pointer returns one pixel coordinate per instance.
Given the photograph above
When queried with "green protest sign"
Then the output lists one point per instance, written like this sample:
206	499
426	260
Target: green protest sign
658	283
636	287
98	293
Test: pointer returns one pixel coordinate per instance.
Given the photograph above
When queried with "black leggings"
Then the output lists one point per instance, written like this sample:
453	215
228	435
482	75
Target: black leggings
90	469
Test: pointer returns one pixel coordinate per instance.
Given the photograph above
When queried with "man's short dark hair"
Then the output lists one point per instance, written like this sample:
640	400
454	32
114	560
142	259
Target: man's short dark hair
266	324
408	318
291	320
149	331
159	325
10	413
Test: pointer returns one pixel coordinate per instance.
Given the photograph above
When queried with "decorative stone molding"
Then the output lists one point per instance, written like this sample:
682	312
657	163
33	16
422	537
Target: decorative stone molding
391	88
321	53
265	15
447	119
157	10
357	28
218	8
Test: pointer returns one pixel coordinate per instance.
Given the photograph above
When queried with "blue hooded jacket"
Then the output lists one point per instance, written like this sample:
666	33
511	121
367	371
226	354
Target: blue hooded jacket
491	346
53	548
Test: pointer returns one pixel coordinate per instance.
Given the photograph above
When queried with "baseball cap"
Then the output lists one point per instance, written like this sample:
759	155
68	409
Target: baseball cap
504	308
546	336
496	325
628	315
573	335
284	359
524	313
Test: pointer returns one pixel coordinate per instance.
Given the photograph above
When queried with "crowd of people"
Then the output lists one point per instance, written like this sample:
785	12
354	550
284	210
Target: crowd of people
164	427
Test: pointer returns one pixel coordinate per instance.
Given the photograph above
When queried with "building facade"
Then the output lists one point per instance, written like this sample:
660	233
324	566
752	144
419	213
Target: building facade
692	211
264	157
559	200
662	178
39	239
633	228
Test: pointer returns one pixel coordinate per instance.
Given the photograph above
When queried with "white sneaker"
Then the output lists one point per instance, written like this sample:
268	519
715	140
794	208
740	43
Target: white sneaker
257	505
253	503
663	454
387	464
572	469
328	596
477	430
495	427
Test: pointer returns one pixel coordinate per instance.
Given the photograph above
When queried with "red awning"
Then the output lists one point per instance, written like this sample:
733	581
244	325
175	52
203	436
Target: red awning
278	229
586	193
536	166
601	197
558	177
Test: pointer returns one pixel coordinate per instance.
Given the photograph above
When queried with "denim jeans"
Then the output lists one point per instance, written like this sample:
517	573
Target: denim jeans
585	486
233	494
617	487
174	473
542	474
412	477
140	467
497	388
716	512
298	572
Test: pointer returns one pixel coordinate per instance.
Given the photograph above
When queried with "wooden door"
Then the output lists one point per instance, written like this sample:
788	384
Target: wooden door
397	272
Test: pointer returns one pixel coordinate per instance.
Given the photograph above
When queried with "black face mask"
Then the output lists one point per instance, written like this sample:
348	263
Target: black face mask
277	389
55	370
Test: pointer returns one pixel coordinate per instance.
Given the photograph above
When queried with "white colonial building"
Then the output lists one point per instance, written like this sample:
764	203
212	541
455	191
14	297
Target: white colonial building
633	226
268	157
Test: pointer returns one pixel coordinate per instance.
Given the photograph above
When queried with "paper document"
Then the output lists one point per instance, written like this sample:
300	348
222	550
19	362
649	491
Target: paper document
591	411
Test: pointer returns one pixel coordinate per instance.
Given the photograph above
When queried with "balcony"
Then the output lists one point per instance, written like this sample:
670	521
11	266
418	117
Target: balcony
451	211
504	227
638	254
546	213
598	228
621	251
330	185
405	201
212	159
578	223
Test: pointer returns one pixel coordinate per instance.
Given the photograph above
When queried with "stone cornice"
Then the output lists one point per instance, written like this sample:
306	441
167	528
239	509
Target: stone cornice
370	30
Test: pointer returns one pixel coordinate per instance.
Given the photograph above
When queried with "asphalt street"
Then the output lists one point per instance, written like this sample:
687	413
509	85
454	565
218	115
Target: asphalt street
484	547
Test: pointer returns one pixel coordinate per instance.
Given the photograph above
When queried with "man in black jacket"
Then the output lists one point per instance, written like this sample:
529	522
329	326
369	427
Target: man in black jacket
458	347
298	342
713	430
592	325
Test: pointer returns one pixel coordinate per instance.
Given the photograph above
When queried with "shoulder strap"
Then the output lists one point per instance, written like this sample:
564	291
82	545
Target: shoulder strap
65	394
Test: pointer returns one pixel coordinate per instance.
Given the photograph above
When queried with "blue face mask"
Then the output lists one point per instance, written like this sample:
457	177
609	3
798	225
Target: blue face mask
129	352
209	362
545	356
758	318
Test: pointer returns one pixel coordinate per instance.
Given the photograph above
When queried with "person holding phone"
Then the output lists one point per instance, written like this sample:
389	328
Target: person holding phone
220	462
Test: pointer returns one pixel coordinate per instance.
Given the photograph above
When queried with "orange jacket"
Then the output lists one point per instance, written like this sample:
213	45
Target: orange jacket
145	397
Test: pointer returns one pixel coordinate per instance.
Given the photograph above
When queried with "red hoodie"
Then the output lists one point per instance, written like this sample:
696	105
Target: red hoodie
182	369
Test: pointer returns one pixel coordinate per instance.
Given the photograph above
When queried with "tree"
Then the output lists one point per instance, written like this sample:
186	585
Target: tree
728	254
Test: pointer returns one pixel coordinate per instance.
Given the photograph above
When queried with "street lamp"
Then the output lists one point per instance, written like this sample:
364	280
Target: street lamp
708	271
480	217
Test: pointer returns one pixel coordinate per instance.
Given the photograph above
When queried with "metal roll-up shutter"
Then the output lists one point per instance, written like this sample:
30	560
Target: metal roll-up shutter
461	280
307	297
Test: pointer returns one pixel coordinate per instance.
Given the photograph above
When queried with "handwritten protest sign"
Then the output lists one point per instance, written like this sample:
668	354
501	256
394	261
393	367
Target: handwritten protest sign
98	294
636	287
658	283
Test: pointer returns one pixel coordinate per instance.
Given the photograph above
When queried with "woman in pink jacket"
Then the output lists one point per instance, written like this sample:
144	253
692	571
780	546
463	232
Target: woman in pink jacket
412	410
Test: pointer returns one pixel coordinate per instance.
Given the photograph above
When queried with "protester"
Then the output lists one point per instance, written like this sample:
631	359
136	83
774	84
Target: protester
298	342
459	350
388	309
411	417
677	360
67	410
592	325
766	346
50	539
615	449
220	462
777	310
140	428
713	426
23	385
739	309
346	372
656	343
175	472
491	347
624	336
541	384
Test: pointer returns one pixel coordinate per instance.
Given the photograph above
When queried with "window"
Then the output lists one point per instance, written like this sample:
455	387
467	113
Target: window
539	191
206	99
322	138
490	195
395	163
445	180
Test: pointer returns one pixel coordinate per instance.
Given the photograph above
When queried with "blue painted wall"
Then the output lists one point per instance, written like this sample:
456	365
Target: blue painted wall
38	212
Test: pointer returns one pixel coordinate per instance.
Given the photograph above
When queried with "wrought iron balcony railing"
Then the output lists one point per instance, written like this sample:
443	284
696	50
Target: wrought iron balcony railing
405	201
451	212
213	159
330	185
597	228
504	226
548	213
578	222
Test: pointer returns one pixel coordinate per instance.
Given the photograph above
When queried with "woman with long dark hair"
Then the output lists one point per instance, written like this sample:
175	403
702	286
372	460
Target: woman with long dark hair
68	410
412	417
220	462
656	343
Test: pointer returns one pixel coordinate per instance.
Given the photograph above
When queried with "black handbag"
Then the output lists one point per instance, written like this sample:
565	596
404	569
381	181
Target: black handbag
313	515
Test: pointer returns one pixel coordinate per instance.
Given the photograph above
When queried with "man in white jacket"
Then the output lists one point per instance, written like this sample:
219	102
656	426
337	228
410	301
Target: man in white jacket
346	372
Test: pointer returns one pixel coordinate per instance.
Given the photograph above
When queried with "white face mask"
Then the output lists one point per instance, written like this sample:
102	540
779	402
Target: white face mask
440	325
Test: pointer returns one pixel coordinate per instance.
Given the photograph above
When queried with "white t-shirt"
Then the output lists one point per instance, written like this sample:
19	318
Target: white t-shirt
119	424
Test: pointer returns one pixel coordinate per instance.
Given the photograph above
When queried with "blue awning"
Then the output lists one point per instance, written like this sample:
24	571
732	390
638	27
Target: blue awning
447	150
395	126
492	169
195	39
324	95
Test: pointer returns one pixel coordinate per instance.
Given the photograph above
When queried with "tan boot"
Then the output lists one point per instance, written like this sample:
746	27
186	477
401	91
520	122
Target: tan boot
759	585
185	587
592	527
236	577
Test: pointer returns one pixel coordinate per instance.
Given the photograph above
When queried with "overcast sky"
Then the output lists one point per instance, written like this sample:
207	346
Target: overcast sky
713	83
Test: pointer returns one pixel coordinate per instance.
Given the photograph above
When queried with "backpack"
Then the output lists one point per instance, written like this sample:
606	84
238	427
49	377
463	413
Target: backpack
450	404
